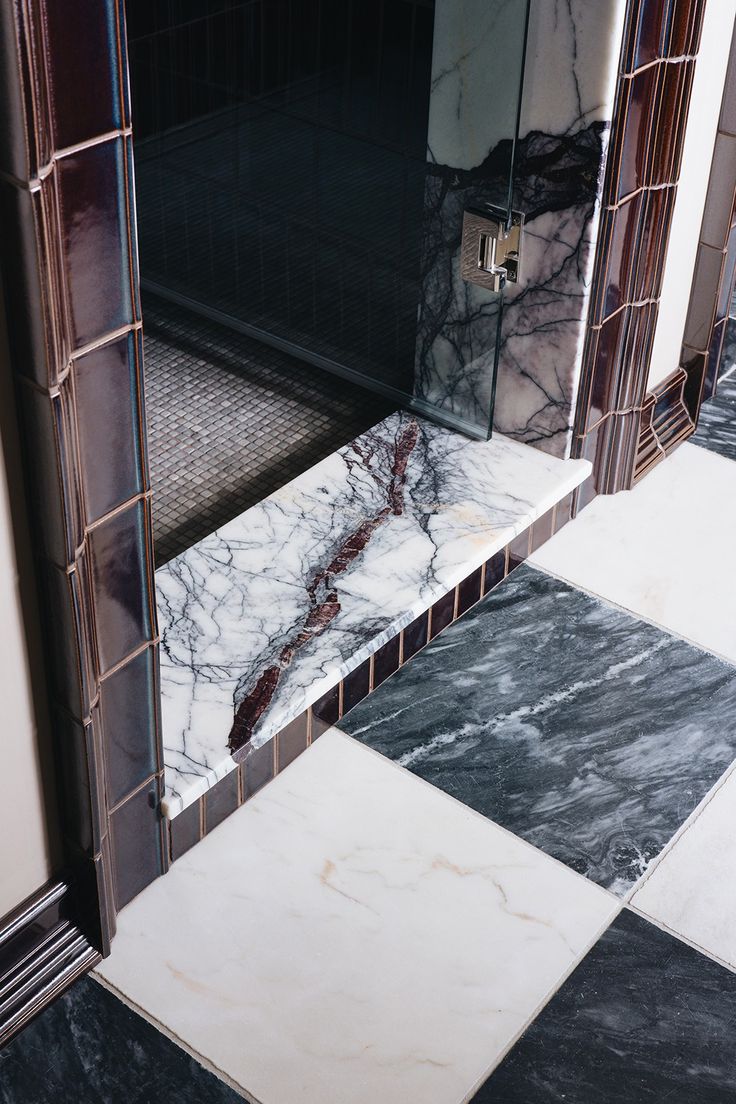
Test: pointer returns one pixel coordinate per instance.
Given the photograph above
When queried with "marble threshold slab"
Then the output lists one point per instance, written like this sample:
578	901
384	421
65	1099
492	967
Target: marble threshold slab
262	618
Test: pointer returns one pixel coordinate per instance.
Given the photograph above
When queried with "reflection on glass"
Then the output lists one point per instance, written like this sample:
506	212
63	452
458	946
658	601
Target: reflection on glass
302	168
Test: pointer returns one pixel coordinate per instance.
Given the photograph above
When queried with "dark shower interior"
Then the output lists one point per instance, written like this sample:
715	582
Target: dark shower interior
280	153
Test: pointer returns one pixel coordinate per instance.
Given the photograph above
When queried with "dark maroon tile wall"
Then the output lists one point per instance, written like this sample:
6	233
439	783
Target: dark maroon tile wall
656	71
673	408
137	842
69	266
110	421
129	703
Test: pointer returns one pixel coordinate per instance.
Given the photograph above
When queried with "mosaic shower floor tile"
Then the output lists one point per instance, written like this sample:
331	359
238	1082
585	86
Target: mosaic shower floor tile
354	935
638	548
643	1019
589	733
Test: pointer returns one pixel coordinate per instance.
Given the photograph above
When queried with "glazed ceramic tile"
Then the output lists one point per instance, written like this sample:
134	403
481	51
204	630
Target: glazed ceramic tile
351	934
717	420
693	891
262	618
88	1046
644	1019
587	732
639	548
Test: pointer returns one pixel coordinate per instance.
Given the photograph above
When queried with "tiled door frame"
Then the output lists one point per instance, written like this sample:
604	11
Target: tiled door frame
658	59
671	410
69	266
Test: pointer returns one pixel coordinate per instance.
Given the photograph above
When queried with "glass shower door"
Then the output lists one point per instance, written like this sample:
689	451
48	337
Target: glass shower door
320	174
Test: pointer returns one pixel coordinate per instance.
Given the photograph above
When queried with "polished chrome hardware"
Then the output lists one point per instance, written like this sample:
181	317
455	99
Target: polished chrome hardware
491	248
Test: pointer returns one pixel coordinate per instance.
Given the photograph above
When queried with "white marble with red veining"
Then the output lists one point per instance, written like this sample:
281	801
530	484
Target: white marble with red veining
267	614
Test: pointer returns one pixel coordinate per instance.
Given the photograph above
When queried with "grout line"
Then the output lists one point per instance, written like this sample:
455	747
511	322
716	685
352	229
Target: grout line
629	612
166	1031
684	828
545	1000
656	923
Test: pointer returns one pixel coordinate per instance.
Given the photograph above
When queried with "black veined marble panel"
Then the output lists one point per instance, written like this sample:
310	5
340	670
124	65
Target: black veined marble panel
643	1019
589	733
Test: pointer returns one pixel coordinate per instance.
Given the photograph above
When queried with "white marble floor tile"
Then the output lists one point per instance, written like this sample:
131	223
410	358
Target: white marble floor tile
353	935
693	889
649	549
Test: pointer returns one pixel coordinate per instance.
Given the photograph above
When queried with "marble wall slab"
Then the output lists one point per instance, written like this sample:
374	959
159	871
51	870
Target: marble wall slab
266	615
587	732
566	109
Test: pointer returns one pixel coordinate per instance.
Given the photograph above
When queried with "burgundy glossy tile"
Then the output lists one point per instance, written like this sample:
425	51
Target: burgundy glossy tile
185	830
714	359
415	636
696	367
542	530
75	773
606	345
356	685
654	228
257	769
30	264
519	549
469	591
563	512
130	722
618	248
645	33
220	801
495	570
326	712
137	846
686	22
65	637
88	39
727	121
292	740
725	294
637	102
703	298
95	245
721	192
120	570
670	119
386	660
107	395
41	419
443	613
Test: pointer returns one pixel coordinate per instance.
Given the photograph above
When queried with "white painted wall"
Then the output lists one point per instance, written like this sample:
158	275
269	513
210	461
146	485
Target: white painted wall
705	107
27	843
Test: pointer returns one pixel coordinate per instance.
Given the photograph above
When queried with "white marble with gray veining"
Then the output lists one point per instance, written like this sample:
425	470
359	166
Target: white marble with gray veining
263	617
353	936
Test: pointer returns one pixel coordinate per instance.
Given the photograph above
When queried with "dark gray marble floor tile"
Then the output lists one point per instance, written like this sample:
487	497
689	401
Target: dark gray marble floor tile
586	731
90	1048
644	1019
717	422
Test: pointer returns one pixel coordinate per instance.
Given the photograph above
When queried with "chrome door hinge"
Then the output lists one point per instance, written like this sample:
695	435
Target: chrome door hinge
491	248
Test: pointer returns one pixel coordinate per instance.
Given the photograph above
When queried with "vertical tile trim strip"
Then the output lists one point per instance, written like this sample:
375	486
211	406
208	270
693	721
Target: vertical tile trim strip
79	556
639	189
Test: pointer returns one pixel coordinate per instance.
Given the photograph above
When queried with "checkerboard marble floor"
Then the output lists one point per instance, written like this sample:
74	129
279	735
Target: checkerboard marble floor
508	878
